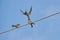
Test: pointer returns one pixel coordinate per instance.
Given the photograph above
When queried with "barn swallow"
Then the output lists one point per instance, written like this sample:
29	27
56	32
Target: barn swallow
17	25
27	13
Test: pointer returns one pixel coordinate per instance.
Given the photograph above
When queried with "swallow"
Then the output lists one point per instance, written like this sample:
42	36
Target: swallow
27	13
30	23
17	25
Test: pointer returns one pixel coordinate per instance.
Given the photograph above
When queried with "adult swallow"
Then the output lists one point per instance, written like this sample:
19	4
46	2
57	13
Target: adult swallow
17	25
27	13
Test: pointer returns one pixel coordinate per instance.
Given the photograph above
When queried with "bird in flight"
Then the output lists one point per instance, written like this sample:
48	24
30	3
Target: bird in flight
17	25
28	15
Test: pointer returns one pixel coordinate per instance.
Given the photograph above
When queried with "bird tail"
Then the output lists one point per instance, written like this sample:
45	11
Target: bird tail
13	25
32	25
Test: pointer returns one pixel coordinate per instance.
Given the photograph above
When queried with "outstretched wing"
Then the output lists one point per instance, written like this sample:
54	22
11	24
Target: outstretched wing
22	11
30	10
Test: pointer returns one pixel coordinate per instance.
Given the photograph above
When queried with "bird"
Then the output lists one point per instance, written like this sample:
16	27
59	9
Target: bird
27	13
16	26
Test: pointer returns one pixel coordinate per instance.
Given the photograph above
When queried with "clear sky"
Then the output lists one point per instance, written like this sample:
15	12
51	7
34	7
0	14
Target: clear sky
48	29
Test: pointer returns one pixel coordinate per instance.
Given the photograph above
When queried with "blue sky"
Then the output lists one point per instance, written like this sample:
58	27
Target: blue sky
48	29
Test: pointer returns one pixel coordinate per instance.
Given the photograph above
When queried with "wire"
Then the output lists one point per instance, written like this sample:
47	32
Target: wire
12	29
46	17
33	21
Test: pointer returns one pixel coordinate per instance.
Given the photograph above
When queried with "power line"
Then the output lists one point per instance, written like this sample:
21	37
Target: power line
46	17
12	29
33	21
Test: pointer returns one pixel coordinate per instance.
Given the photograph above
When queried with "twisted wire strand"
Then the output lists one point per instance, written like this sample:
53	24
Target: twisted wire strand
33	21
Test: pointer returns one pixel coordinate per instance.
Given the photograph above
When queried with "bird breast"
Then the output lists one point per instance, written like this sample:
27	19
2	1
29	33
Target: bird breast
29	22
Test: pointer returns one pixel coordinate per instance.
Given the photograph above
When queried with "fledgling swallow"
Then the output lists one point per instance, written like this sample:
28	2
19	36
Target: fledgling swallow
30	23
27	13
17	25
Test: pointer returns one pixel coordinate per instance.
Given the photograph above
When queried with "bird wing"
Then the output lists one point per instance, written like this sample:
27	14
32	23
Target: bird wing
22	11
30	10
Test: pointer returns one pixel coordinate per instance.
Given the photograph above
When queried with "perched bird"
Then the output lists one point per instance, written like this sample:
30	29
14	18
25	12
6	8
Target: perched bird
17	25
27	13
30	23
